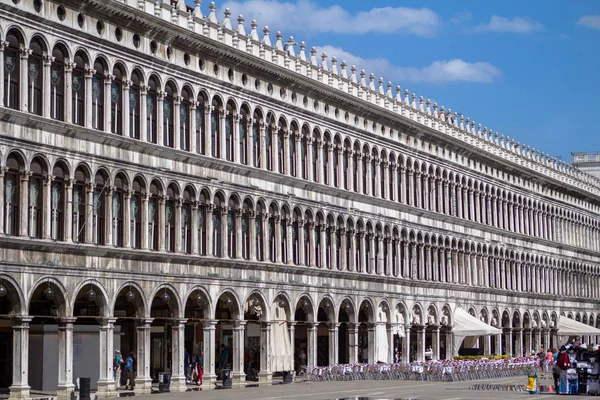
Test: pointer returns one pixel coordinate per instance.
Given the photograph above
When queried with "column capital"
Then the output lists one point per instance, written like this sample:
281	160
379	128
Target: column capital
48	179
239	325
89	72
144	322
67	322
107	322
21	322
48	59
209	324
24	52
25	175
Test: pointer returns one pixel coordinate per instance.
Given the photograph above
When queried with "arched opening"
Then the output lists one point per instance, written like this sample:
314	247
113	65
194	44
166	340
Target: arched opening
153	210
164	332
171	208
35	72
229	336
98	94
168	115
116	102
304	339
10	310
12	69
185	119
38	169
229	141
255	348
243	129
198	344
152	110
347	333
215	127
366	350
78	88
58	201
138	191
135	105
57	83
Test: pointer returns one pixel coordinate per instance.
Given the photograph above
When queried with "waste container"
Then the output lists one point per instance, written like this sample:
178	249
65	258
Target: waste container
227	378
287	377
84	388
164	382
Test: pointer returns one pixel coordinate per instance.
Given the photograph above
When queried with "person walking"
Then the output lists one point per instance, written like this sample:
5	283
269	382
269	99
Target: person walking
130	368
117	362
542	360
199	367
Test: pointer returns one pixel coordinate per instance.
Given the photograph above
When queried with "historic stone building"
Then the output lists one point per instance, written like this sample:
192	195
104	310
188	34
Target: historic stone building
169	180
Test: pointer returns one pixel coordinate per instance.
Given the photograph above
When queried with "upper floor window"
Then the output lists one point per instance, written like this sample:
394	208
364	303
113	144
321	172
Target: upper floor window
12	69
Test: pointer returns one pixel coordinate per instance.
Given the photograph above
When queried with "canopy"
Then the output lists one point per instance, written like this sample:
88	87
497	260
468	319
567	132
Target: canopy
280	346
569	327
466	325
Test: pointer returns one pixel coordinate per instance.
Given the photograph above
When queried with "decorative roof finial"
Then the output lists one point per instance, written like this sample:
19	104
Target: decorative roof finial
398	94
313	56
227	21
353	75
266	39
372	81
212	16
428	107
197	10
254	31
389	90
381	90
289	46
334	68
279	42
302	51
324	65
240	28
344	70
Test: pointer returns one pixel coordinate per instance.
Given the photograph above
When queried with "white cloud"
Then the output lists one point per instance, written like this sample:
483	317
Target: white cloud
590	21
461	17
307	16
444	71
505	25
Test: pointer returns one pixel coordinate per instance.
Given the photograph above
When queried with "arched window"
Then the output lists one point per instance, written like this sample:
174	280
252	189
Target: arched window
229	144
345	167
260	255
35	72
382	166
215	129
79	217
153	207
283	224
355	171
57	202
328	231
168	134
98	96
317	232
391	182
304	153
247	209
336	165
57	84
78	90
365	160
186	221
135	104
116	104
271	236
151	111
201	125
307	234
184	119
256	139
202	224
293	136
270	126
172	198
315	160
280	150
38	170
374	167
12	194
135	214
98	227
326	162
295	239
117	210
216	233
12	70
243	132
232	229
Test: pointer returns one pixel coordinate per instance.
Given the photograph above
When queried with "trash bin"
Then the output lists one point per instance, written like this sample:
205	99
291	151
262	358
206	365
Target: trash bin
227	378
287	377
84	388
164	382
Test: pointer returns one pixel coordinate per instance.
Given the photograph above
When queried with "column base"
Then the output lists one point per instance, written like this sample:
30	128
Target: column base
265	377
142	385
209	382
19	392
107	389
178	384
238	377
65	391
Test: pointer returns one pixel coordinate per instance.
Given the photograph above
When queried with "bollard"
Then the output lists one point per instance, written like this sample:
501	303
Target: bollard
164	382
227	378
84	388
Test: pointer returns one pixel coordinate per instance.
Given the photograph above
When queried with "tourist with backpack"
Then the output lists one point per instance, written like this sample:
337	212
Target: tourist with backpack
130	367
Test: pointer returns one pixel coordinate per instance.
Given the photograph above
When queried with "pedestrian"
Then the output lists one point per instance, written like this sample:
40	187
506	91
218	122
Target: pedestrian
302	357
117	361
223	359
130	368
187	363
199	367
542	360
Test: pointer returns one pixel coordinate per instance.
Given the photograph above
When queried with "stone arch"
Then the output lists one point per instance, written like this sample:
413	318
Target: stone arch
12	299
51	290
173	301
99	296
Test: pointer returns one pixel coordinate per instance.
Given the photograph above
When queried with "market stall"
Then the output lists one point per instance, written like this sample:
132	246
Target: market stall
468	328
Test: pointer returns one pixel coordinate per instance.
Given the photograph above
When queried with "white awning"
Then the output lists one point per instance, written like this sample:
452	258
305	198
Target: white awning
570	327
466	325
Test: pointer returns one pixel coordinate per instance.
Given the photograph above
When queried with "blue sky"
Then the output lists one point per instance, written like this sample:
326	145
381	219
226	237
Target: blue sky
526	69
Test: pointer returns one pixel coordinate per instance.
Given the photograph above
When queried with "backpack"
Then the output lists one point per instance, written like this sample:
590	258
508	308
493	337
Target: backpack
562	360
129	364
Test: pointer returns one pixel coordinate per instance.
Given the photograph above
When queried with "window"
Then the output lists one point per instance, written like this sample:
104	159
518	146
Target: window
36	187
78	90
186	222
98	227
79	216
153	206
271	236
135	215
231	232
57	84
202	225
135	104
184	120
280	151
116	101
98	96
292	144
172	197
12	70
35	72
215	129
303	156
151	111
229	148
57	203
168	134
243	141
117	211
256	139
12	195
216	233
268	145
201	126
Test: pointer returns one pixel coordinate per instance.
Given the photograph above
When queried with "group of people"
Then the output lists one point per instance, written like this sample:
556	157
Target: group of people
124	370
194	367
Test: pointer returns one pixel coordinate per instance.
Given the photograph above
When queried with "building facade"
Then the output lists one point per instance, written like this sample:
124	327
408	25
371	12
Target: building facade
587	162
172	182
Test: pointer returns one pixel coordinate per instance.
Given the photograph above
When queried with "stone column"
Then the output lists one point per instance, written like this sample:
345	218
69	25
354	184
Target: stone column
20	356
311	353
359	174
289	241
265	375
209	378
371	343
449	345
333	343
352	343
68	91
89	213
421	343
334	260
518	351
178	204
311	245
160	110
47	89
238	375
143	382
68	220
320	162
176	130
487	340
435	342
498	344
193	138
125	111
238	233
368	185
65	358
300	242
352	254
343	249
108	214
143	114
323	245
224	233
108	102
406	343
178	354
2	170
292	332
252	236
162	199
24	188
106	381
508	339
390	339
127	219
24	81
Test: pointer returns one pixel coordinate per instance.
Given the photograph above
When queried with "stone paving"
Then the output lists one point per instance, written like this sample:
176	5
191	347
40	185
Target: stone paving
507	389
